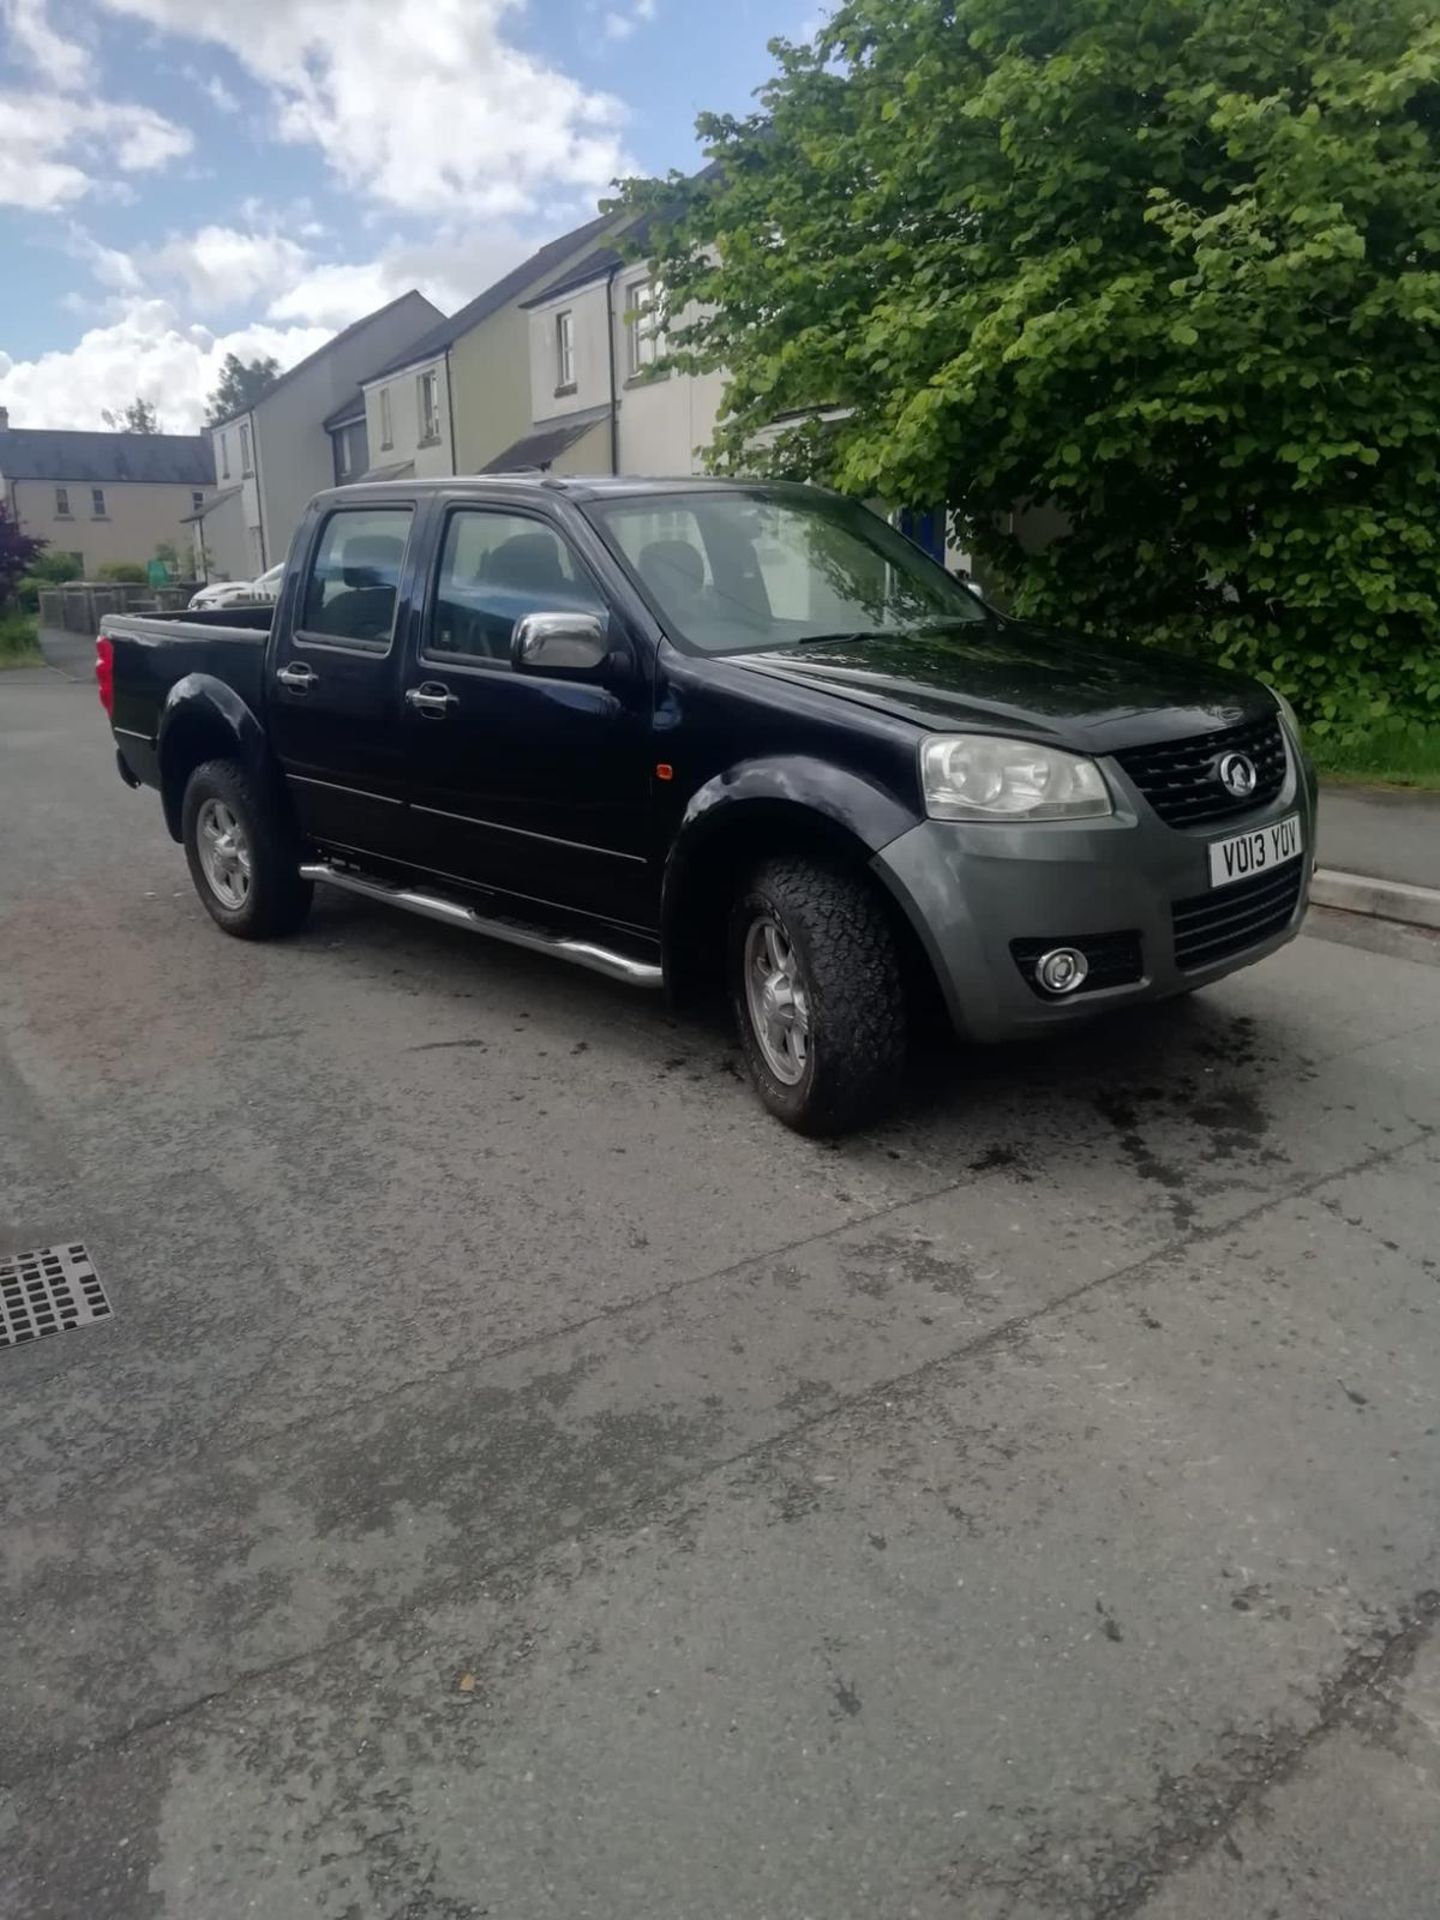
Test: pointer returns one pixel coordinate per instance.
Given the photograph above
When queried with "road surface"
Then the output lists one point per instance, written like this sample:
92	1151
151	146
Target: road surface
520	1479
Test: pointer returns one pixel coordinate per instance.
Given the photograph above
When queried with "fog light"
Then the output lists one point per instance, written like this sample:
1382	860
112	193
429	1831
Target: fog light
1062	970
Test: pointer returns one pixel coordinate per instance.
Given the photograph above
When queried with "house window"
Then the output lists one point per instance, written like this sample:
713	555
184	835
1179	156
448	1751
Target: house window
640	327
224	456
387	431
62	503
565	351
197	501
247	464
97	502
427	389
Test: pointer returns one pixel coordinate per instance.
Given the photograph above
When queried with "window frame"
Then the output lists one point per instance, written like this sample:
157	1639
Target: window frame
640	328
387	424
427	407
564	338
99	509
481	663
62	504
302	637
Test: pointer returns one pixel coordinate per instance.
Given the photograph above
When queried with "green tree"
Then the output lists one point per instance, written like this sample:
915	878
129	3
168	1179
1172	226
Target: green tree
138	417
18	554
242	383
1171	264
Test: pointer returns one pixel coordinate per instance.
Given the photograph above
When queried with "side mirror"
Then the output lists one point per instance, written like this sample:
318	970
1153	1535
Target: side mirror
560	643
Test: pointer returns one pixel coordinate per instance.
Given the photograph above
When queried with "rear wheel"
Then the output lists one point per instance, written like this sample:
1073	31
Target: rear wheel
243	859
819	995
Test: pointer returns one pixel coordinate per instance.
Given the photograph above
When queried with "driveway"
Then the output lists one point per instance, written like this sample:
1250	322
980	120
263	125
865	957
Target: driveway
520	1479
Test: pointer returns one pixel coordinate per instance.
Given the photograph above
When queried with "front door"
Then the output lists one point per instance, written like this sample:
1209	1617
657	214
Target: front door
534	786
334	695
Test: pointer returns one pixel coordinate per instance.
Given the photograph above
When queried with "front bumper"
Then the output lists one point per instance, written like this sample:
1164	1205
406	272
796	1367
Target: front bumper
969	890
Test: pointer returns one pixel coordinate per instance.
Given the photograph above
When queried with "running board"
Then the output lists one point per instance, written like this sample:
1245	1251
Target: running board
582	953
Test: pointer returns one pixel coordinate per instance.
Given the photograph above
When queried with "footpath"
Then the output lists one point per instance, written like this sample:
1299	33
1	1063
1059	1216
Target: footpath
1380	853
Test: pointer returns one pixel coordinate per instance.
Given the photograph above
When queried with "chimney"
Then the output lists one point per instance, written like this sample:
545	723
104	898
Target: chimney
4	419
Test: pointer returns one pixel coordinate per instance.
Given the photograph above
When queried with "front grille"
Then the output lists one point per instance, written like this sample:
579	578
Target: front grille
1179	780
1114	959
1215	925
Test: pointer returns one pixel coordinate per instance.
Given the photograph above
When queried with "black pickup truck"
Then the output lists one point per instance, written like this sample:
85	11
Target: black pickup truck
691	734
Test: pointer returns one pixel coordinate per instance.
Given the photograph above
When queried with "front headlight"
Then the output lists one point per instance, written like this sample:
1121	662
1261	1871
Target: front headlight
974	776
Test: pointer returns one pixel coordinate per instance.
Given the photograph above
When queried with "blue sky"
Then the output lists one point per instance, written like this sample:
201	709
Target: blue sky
183	177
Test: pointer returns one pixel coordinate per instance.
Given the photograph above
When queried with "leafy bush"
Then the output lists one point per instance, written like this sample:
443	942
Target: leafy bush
53	568
123	572
17	640
1174	267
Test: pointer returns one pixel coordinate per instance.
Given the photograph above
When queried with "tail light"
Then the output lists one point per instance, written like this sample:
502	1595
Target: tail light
105	673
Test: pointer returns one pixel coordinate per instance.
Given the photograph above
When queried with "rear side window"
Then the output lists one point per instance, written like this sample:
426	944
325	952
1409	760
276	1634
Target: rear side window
494	568
355	577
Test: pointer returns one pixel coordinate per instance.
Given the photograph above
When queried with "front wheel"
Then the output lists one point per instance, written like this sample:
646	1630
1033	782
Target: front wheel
819	995
242	857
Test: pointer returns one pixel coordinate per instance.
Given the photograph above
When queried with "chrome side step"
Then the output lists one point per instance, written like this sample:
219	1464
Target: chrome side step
583	953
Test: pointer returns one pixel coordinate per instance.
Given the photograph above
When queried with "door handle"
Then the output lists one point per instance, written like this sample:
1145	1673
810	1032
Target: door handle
431	699
298	678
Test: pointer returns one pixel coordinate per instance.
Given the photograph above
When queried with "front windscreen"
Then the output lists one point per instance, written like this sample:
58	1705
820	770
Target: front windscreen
746	568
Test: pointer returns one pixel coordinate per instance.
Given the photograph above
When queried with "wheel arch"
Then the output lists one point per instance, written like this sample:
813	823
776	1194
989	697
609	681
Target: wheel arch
204	719
742	817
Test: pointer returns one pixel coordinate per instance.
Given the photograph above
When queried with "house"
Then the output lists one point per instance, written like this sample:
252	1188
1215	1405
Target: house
599	404
272	457
104	496
458	395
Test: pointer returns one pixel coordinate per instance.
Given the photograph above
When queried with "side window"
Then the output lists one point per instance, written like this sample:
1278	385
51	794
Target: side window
351	592
494	568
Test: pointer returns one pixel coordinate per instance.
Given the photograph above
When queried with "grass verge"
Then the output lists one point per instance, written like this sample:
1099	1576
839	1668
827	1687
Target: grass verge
1381	759
18	645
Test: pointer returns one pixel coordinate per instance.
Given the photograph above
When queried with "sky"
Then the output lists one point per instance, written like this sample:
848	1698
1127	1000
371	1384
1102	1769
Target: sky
182	179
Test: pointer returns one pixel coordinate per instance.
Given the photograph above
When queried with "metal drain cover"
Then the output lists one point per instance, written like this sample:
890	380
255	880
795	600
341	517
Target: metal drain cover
48	1291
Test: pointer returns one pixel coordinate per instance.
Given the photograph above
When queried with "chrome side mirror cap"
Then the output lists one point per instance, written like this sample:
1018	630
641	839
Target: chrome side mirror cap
560	643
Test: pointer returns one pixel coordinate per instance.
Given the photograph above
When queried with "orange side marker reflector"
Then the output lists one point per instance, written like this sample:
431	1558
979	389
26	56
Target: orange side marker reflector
664	771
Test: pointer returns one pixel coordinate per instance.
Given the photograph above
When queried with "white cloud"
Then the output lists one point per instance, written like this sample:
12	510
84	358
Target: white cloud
279	265
64	63
148	351
220	268
619	24
54	147
422	104
219	95
450	269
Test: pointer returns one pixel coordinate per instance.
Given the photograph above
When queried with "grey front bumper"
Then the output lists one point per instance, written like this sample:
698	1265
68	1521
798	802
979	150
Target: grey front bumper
969	890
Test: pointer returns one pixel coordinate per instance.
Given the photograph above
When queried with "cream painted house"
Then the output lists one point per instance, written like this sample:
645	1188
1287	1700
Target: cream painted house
458	398
106	496
598	405
272	458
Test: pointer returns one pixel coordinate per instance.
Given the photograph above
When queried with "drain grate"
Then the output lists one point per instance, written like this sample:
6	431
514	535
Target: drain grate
48	1291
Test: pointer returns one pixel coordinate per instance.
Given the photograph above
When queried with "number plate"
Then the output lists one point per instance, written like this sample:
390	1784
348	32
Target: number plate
1244	854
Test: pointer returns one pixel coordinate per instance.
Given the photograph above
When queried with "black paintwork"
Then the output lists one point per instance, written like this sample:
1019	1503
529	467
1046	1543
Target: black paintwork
545	791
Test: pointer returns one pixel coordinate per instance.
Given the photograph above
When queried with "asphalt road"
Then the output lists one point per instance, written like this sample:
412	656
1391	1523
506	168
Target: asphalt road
520	1479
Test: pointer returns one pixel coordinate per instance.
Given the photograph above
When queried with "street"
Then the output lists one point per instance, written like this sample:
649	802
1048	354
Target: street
521	1479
